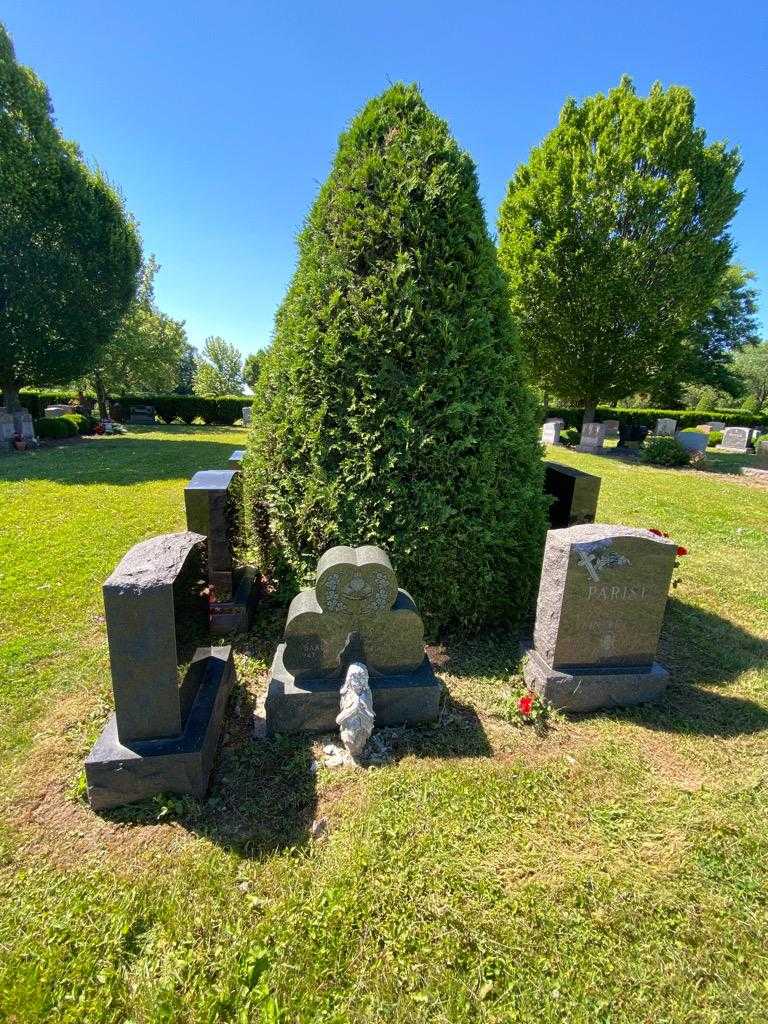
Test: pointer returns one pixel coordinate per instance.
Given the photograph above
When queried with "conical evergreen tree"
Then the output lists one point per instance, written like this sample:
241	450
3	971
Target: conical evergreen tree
392	407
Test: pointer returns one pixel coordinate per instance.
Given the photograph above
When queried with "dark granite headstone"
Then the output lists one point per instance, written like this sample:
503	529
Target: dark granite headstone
211	498
141	414
575	495
601	604
632	435
169	693
356	606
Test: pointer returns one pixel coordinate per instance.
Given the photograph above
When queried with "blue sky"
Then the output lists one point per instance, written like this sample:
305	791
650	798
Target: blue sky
219	120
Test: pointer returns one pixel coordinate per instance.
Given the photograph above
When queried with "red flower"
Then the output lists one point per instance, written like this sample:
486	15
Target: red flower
525	704
657	533
682	551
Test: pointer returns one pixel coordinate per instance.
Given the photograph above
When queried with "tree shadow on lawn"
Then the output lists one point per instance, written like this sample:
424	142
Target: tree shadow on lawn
122	461
703	650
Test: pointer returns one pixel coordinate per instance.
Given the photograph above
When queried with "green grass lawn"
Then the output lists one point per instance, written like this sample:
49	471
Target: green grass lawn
612	870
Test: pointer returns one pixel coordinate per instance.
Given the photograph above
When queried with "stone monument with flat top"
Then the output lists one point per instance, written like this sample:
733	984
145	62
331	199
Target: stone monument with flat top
170	695
356	612
599	613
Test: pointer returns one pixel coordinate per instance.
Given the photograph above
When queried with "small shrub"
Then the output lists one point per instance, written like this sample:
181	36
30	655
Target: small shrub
714	437
83	424
58	426
664	451
570	436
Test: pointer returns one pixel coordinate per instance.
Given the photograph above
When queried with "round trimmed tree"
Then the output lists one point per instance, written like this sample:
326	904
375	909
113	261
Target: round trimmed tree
392	407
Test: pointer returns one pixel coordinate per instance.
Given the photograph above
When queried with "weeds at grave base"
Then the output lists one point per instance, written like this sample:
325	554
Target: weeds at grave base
526	707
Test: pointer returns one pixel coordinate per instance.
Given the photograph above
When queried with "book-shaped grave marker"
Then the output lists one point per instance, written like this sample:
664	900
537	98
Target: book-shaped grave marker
170	695
212	498
355	613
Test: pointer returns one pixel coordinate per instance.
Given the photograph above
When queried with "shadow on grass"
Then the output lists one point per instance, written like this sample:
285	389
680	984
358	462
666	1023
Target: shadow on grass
126	459
701	649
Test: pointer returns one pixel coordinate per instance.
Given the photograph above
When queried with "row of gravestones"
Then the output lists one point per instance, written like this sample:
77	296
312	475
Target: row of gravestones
600	607
594	435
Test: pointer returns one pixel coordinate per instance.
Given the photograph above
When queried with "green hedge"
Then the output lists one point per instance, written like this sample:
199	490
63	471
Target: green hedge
220	411
648	417
56	426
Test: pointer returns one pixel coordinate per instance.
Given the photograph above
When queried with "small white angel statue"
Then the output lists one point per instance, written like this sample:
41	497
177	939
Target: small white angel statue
355	717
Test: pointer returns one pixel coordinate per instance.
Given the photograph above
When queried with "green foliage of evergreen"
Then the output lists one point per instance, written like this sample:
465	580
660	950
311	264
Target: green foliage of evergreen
392	407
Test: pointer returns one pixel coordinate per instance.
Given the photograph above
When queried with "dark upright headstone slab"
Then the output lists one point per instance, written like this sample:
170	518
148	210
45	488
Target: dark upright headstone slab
142	414
170	695
600	608
575	495
632	435
211	498
356	605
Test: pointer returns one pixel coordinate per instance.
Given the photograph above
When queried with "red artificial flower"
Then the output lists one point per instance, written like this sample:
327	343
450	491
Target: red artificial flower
682	551
525	704
657	533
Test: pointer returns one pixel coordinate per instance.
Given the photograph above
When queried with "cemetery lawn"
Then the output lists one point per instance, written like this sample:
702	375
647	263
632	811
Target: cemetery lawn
613	870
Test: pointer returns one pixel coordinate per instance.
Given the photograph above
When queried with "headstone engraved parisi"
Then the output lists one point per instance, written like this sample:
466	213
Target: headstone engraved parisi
356	613
170	695
592	437
600	608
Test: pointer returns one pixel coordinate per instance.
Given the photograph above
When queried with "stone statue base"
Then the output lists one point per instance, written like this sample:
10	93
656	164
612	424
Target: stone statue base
599	688
118	774
311	705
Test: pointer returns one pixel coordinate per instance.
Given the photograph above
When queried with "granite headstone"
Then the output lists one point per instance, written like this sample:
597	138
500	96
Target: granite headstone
599	613
575	495
169	694
666	426
355	612
692	440
735	439
592	437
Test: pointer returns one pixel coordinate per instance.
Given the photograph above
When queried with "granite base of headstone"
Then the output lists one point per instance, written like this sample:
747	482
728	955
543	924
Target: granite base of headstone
599	614
210	499
235	460
592	438
574	495
170	695
356	612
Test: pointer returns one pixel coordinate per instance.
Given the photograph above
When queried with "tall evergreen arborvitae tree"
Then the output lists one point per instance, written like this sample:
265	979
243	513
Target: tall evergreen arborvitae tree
392	407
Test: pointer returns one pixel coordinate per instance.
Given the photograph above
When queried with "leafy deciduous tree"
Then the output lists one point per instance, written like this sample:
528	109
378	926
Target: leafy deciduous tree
252	367
615	237
750	365
219	369
70	254
145	351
